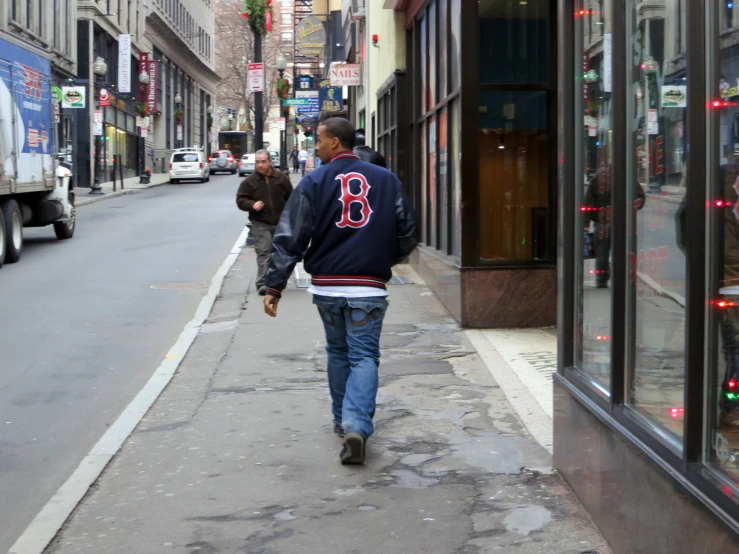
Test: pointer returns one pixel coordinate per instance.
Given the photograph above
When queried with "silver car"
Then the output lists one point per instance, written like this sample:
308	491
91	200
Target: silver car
223	161
247	164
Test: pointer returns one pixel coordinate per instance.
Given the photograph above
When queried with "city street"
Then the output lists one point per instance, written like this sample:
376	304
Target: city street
87	321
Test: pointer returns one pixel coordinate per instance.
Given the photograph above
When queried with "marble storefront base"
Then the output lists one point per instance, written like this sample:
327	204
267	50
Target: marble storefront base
638	507
490	298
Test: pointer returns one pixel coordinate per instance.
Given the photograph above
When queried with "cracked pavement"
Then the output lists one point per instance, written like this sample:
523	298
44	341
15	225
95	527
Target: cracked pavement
238	454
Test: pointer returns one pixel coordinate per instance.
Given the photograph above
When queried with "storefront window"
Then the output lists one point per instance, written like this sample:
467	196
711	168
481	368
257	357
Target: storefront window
432	191
433	98
443	184
593	192
456	182
424	186
514	174
723	268
424	65
442	49
514	130
454	48
655	188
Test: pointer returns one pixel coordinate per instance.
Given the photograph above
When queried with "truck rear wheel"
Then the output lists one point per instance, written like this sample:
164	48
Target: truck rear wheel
13	231
2	239
65	229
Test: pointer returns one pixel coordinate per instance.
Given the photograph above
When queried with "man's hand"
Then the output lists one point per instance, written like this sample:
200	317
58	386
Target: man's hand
258	206
270	305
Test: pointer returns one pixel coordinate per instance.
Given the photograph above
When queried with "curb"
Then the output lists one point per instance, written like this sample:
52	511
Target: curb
52	517
86	201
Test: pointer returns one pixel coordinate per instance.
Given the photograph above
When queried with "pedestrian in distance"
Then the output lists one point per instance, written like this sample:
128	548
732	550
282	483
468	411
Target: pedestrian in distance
263	194
351	221
364	152
302	160
294	158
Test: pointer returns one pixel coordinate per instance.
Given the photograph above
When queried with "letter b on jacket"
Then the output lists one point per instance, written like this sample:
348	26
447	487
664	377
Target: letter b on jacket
348	198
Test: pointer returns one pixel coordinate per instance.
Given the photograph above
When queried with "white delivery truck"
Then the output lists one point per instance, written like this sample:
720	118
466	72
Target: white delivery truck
36	189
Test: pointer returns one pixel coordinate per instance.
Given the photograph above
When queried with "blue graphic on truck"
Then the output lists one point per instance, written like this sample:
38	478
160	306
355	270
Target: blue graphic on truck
26	108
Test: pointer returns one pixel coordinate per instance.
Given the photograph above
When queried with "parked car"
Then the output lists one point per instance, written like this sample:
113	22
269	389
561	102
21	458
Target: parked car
275	155
223	161
247	164
188	164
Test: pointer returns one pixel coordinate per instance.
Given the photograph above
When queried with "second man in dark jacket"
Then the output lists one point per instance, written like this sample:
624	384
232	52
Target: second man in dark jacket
263	194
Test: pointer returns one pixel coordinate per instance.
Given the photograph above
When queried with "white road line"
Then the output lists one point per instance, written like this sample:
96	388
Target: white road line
52	516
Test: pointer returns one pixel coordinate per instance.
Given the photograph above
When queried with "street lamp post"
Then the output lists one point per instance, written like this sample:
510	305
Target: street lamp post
143	80
281	64
650	67
178	103
99	69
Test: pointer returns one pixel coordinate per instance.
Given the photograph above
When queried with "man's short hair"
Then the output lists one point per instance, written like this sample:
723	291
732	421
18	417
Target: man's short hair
263	152
326	115
342	129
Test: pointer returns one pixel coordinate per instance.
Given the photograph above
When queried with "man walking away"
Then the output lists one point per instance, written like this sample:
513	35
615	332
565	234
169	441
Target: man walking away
353	222
263	194
302	160
365	153
294	159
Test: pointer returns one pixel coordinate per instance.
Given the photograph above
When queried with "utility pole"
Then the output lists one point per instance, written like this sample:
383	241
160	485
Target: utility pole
258	110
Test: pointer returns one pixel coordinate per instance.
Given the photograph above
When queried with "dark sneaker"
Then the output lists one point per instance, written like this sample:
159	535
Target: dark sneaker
353	451
339	430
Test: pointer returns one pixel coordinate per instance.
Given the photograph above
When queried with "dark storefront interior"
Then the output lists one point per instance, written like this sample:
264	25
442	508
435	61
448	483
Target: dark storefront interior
482	115
647	396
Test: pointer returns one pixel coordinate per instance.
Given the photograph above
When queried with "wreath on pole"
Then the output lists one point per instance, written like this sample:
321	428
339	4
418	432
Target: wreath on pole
258	13
283	87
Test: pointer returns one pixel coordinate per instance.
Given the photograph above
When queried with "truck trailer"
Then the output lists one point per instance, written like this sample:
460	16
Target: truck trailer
36	188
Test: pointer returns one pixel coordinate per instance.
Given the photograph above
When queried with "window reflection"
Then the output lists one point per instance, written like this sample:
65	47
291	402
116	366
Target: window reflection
723	277
594	190
656	147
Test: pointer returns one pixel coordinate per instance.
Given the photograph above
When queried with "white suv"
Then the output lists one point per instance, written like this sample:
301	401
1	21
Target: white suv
188	164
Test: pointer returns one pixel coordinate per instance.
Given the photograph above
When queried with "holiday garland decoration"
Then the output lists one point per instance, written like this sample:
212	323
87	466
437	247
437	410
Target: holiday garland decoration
283	88
259	15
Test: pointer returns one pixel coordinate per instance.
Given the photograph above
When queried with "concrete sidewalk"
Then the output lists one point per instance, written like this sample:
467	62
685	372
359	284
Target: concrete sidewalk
238	454
130	185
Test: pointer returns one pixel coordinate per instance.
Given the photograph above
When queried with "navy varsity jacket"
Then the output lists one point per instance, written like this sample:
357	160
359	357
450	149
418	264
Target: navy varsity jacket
350	220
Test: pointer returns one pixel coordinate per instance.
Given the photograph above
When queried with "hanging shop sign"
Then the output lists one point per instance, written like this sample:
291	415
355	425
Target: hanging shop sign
674	96
124	63
311	110
345	75
329	98
104	97
56	95
310	37
73	97
151	86
255	77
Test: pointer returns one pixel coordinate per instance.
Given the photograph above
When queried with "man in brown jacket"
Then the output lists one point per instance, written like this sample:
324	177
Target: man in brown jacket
263	194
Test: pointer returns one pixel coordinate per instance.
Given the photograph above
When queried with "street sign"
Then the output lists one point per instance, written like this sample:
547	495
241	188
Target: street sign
56	95
98	116
97	129
297	101
281	123
144	132
57	117
179	132
104	98
255	77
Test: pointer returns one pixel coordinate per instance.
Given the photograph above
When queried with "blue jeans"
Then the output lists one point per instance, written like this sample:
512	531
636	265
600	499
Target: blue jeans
353	327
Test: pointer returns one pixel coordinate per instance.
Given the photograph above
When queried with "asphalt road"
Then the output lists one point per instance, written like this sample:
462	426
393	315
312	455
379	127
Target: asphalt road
83	329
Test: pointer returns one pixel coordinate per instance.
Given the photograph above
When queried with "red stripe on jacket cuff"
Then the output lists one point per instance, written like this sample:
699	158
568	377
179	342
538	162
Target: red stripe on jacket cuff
274	292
